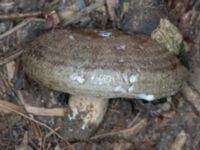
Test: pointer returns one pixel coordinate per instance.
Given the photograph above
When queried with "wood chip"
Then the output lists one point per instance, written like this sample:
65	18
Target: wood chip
179	141
11	70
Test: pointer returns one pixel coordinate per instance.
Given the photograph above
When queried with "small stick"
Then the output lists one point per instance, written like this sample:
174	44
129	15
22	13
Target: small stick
20	25
192	96
10	56
37	111
13	16
126	134
134	120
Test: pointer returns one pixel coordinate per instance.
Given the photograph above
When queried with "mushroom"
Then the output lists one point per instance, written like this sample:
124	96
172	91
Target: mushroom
93	68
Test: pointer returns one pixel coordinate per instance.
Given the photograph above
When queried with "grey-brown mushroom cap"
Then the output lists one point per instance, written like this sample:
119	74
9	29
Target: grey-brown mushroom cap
84	63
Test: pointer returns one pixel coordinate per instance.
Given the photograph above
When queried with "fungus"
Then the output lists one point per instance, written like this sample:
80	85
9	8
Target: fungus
88	68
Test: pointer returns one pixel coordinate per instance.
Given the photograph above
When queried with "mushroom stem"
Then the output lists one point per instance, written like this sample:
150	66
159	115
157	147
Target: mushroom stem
89	109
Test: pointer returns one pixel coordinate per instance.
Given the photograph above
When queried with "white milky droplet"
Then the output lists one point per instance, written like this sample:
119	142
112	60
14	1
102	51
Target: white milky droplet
78	78
120	89
74	114
146	97
133	78
84	126
71	37
105	34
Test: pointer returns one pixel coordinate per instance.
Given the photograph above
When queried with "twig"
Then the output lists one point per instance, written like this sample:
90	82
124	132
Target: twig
27	117
51	5
126	134
37	111
35	121
77	16
23	23
192	96
50	133
19	15
47	135
9	56
179	141
134	120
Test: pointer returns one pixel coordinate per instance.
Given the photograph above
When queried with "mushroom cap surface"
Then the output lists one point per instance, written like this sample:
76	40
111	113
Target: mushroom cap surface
84	63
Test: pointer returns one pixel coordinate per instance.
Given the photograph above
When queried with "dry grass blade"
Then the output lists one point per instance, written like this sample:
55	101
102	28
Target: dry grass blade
179	141
125	134
10	56
192	95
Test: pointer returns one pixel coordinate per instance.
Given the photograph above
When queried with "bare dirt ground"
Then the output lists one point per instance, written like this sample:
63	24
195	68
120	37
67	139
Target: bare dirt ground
126	124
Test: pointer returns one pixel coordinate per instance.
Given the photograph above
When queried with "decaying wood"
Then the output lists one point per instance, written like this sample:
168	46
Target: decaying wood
192	96
125	134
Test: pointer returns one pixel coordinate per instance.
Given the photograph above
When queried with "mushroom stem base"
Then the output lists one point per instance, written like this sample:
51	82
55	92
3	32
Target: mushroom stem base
87	114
